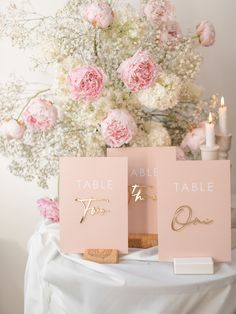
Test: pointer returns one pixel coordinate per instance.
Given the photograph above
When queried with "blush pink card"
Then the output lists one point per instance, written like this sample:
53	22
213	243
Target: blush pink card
194	212
144	164
93	204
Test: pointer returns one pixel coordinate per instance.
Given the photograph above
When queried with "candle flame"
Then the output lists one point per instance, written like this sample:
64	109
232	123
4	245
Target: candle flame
222	101
210	118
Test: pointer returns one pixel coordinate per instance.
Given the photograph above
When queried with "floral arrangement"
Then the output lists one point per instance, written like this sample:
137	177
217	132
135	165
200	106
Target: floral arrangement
120	77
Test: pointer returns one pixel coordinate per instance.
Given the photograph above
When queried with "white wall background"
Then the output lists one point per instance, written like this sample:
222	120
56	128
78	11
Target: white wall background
18	214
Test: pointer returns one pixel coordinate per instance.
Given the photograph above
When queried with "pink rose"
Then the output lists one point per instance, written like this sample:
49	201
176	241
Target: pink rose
40	115
86	83
118	128
12	129
194	139
49	209
138	72
159	11
98	14
206	33
180	154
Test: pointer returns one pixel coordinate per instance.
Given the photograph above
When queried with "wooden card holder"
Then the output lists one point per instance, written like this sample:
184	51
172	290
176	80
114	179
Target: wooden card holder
106	256
142	241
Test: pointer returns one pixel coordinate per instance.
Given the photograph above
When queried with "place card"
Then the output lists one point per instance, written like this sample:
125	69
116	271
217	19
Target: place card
144	164
93	202
194	210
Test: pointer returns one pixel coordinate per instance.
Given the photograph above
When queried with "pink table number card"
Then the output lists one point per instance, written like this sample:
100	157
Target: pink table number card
93	204
144	164
194	214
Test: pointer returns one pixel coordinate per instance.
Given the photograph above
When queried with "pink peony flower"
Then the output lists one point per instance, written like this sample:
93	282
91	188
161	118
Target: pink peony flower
180	154
194	139
40	115
12	129
49	209
86	83
99	14
118	128
206	33
138	72
159	11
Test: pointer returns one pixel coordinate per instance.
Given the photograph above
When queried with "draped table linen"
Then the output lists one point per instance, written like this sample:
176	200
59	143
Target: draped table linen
57	283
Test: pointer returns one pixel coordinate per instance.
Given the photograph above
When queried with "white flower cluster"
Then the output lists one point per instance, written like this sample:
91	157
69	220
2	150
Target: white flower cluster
66	41
163	95
153	134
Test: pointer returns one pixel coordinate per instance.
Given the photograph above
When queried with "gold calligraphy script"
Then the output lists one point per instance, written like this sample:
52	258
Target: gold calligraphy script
139	193
183	218
89	208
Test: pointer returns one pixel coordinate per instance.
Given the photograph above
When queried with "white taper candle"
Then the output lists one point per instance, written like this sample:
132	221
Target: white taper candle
210	132
223	118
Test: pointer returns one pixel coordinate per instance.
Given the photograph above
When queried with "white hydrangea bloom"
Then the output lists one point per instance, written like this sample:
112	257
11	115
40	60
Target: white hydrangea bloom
153	135
140	140
164	94
157	134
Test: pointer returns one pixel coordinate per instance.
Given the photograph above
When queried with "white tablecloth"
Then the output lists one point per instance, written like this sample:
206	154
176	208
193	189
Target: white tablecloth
139	284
